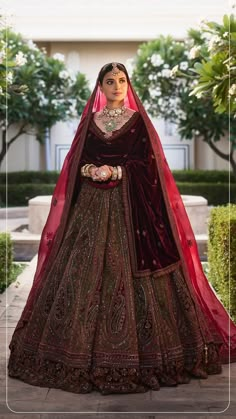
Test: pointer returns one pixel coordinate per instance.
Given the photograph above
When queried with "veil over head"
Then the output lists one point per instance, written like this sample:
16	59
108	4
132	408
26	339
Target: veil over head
62	200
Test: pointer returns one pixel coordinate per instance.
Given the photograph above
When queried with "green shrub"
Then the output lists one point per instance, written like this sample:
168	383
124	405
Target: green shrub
29	177
203	176
222	255
18	195
215	193
6	259
211	184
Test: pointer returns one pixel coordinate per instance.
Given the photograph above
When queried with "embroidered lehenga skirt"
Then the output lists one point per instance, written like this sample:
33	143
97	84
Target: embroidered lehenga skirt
96	326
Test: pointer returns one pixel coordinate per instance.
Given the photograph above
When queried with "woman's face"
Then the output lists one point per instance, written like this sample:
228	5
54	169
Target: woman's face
115	88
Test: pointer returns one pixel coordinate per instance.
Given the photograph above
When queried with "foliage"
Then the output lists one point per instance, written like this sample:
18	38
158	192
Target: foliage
29	176
33	176
217	72
205	176
213	185
9	270
9	62
222	255
19	195
152	76
164	78
51	93
6	258
216	194
17	269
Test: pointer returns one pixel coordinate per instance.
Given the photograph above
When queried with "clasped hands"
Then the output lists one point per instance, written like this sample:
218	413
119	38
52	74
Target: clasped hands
102	173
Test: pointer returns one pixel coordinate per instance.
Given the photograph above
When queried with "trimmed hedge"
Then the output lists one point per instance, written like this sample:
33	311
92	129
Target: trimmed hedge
211	184
215	193
203	176
222	255
18	195
29	177
6	259
190	176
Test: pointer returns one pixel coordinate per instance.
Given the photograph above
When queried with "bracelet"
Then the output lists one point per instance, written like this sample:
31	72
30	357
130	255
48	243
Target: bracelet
85	169
114	173
119	172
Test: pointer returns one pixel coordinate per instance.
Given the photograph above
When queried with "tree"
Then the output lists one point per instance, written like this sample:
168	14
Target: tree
164	79
217	71
8	64
50	92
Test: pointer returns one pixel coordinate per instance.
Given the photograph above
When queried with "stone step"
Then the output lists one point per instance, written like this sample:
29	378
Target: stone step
14	212
196	208
26	244
201	240
12	224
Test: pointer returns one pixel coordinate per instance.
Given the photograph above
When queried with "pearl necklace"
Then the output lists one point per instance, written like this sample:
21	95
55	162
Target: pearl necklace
113	113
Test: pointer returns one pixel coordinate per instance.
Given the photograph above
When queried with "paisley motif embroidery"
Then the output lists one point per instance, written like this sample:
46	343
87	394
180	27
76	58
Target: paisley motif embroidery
96	326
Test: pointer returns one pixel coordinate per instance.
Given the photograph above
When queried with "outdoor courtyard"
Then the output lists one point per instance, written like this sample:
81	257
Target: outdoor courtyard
175	53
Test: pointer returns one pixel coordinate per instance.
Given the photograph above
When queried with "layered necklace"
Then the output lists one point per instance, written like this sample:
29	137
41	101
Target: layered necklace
113	118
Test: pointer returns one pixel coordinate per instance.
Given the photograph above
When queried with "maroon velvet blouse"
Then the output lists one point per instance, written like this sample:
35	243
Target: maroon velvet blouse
152	246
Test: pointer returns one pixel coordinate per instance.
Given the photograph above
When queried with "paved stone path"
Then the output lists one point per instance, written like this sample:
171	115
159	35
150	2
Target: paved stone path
200	399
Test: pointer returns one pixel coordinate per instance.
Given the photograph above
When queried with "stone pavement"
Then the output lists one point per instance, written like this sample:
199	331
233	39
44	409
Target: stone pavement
200	399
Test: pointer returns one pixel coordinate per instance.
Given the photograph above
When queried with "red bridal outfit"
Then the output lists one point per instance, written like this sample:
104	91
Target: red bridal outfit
119	301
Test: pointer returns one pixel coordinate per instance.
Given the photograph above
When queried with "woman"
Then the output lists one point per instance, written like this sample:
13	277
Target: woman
119	301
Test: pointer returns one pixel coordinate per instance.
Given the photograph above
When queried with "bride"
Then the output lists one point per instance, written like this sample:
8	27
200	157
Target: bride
119	301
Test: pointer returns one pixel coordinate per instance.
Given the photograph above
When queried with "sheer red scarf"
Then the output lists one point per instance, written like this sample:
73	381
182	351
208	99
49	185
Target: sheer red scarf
53	232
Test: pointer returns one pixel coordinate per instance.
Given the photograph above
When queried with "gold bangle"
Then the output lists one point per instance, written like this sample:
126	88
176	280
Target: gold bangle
119	172
87	174
91	165
114	173
83	168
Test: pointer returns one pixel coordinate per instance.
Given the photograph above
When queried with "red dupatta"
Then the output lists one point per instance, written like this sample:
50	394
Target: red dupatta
53	232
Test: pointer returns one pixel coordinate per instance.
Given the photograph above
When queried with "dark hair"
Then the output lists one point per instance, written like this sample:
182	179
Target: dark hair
108	67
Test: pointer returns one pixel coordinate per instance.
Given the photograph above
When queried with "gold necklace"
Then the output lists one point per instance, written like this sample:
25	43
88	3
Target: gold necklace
113	117
114	113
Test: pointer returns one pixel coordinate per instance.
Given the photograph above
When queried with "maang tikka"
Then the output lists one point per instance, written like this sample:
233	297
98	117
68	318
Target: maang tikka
115	70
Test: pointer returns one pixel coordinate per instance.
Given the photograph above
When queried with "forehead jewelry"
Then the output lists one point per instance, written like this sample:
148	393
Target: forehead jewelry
115	70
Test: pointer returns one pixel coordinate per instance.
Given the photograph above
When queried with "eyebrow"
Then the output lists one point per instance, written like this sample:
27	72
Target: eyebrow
120	78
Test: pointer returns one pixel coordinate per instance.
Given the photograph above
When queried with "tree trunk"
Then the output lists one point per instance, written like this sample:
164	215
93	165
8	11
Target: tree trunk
228	157
6	145
233	164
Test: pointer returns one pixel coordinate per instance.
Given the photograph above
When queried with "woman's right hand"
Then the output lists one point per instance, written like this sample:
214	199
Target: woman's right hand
100	174
92	172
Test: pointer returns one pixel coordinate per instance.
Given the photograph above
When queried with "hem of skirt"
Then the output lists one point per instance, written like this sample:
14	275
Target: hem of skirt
138	384
109	380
